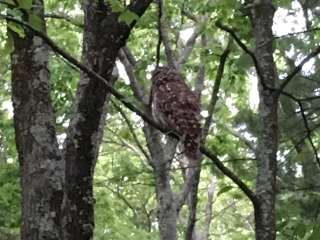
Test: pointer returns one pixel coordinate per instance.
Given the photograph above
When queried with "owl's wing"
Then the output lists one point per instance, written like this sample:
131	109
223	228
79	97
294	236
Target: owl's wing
181	106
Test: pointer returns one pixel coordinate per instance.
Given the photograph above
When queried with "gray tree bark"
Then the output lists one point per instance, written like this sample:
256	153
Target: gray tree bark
161	159
40	161
103	37
262	13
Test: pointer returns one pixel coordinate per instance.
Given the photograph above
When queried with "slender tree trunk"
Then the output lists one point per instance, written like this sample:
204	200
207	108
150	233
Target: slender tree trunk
39	157
103	37
162	156
262	20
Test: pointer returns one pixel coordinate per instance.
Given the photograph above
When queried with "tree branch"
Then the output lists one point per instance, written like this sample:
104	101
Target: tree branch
298	69
297	33
202	69
131	129
165	38
65	17
184	55
215	91
137	89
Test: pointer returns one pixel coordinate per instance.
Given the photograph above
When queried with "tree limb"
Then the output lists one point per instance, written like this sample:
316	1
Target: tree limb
165	38
298	69
215	91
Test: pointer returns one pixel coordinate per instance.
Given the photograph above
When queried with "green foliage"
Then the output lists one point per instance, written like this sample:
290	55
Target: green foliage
9	201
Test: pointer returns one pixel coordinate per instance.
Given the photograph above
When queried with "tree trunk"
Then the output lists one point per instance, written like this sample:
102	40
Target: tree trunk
39	157
262	19
162	156
103	37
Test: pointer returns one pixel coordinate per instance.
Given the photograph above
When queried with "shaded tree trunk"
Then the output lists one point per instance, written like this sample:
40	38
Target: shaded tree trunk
162	156
103	37
262	20
40	161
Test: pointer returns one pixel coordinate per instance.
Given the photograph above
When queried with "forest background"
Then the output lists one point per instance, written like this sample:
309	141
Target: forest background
79	150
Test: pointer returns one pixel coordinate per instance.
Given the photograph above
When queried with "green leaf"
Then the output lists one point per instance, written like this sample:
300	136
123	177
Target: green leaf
35	21
301	230
9	43
315	234
128	17
224	190
116	6
17	29
25	4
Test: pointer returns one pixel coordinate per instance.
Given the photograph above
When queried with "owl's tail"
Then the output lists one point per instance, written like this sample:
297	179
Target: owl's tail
191	147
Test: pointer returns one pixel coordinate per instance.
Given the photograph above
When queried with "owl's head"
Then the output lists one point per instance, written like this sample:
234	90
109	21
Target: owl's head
164	73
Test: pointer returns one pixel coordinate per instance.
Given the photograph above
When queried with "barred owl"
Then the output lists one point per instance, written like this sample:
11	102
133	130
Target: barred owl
177	108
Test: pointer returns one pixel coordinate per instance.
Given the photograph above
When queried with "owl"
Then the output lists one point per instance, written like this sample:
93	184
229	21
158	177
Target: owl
177	108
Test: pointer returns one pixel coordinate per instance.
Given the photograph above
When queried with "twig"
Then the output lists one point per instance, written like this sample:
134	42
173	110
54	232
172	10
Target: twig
306	124
185	53
298	69
202	69
297	33
66	18
132	131
137	89
246	50
215	91
165	38
160	9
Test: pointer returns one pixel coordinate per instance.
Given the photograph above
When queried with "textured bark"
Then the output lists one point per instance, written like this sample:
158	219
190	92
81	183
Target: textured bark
39	157
262	18
103	37
162	156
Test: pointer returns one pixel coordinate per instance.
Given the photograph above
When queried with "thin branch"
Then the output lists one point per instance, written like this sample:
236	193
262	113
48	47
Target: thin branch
298	69
132	131
297	33
250	194
165	37
247	142
185	53
129	56
137	89
160	39
306	124
249	52
215	91
65	17
189	15
202	69
208	210
145	116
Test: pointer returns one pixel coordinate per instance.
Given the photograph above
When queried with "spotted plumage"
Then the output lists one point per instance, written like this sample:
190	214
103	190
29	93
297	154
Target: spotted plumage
176	107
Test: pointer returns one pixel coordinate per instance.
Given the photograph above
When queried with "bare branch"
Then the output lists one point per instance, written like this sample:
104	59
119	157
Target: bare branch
185	53
137	89
189	15
248	51
129	56
208	210
305	122
164	28
202	70
132	131
215	91
298	68
297	33
65	17
247	142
